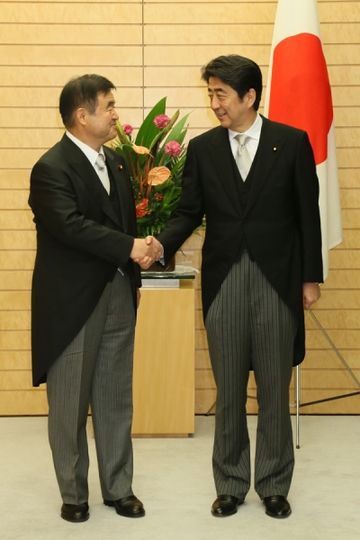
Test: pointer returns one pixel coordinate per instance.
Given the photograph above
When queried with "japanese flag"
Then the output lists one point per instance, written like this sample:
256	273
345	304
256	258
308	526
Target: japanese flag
298	94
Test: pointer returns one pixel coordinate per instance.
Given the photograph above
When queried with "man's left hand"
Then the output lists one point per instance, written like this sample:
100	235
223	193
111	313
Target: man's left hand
311	294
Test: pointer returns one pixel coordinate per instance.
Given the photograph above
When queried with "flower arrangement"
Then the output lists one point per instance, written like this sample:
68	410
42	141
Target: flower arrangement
155	160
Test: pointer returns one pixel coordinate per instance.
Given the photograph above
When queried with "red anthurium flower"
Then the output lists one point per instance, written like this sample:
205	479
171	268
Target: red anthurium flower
142	208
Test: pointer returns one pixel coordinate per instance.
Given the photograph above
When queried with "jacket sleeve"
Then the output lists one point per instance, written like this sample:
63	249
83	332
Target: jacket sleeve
307	197
189	212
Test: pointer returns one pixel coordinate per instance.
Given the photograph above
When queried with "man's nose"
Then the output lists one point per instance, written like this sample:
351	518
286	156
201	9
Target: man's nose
214	104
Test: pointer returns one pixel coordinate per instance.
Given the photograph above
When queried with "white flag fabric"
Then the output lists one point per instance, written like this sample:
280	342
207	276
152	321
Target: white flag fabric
298	93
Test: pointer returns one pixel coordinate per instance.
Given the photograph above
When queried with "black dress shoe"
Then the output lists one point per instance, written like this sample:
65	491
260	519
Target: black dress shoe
225	505
277	506
76	513
127	506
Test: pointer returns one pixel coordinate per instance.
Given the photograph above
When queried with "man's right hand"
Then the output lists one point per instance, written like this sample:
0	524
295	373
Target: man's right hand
146	251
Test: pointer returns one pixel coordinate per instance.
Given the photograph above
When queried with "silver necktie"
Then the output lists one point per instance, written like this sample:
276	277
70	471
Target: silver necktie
102	172
243	158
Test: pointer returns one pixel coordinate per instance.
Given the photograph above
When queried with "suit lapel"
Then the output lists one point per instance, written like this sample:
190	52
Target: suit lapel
269	149
83	168
118	174
223	160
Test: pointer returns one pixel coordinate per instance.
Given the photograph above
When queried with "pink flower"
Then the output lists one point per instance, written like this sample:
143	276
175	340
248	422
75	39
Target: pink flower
173	148
161	121
128	129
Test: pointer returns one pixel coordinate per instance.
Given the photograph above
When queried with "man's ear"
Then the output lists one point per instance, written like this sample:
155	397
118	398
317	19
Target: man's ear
251	97
80	116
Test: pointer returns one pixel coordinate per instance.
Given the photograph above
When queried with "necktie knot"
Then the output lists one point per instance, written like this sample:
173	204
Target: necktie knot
100	162
242	139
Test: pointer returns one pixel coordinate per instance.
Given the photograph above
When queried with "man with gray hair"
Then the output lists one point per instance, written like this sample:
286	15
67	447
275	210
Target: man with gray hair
85	293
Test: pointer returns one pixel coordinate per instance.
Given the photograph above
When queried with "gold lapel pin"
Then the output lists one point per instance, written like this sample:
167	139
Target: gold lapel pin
120	167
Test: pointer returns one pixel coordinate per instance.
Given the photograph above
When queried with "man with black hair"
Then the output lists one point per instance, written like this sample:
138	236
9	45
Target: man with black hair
255	182
84	297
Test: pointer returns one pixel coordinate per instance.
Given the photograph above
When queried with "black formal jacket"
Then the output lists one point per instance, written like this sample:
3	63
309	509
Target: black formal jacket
280	225
81	241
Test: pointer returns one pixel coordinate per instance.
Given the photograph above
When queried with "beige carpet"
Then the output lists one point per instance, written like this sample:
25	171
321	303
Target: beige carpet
173	478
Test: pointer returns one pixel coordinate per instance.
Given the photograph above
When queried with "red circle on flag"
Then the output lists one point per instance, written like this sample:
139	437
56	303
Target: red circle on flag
300	91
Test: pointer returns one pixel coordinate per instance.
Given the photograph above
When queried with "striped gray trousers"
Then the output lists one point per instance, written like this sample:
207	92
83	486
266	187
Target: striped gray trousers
96	369
249	327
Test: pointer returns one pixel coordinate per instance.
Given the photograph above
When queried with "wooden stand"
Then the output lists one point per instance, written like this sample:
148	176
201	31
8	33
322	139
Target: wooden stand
164	369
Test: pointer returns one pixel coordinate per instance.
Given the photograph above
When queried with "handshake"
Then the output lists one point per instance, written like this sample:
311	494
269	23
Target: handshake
146	251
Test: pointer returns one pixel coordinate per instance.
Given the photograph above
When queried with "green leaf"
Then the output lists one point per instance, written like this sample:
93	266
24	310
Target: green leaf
159	137
148	130
123	138
135	162
178	132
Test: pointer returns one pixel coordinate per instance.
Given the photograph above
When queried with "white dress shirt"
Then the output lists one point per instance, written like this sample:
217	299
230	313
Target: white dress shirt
92	155
253	133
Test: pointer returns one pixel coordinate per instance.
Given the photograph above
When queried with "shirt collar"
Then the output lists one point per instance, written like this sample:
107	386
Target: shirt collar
253	132
89	152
